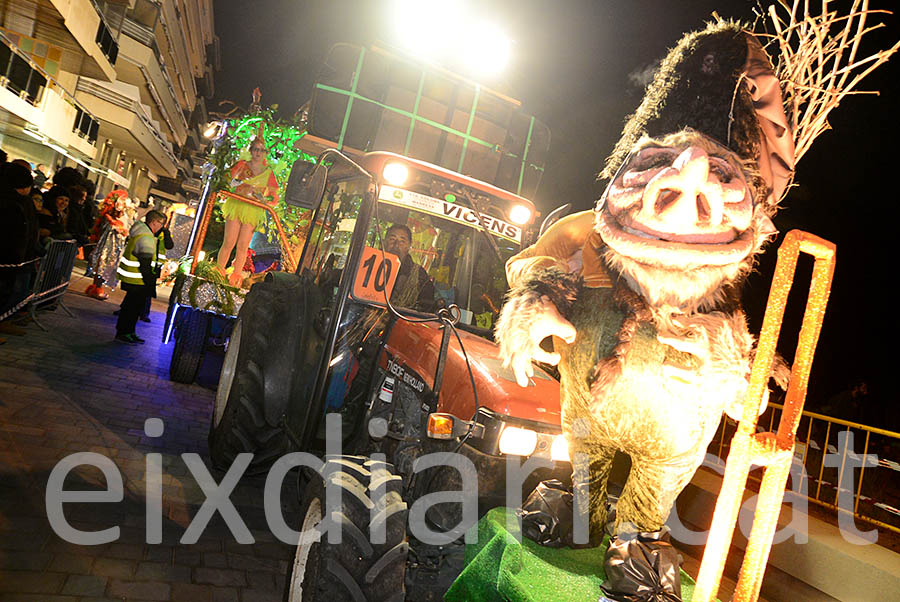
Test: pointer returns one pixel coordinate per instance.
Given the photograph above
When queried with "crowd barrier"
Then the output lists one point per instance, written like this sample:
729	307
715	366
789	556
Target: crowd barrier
54	273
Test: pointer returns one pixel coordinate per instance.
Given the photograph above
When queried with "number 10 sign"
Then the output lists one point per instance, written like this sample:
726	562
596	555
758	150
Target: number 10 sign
376	275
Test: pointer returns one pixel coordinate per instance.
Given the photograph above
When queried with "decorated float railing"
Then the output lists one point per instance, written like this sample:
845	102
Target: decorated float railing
290	262
772	450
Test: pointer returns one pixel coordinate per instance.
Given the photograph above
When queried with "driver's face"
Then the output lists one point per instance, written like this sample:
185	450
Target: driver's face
397	242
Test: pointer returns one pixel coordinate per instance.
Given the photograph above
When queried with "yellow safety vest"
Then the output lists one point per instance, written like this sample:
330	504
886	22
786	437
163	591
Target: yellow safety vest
161	258
129	270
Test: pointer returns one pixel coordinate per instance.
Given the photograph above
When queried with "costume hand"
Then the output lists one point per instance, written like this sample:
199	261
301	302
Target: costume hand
521	328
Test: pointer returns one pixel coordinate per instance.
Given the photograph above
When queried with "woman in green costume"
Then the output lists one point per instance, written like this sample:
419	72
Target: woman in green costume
253	179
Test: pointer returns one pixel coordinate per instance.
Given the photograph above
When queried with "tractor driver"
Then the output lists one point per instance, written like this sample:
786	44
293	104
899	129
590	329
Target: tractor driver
414	287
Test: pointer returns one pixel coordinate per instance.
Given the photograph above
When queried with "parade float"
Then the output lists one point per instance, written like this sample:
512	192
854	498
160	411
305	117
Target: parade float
239	212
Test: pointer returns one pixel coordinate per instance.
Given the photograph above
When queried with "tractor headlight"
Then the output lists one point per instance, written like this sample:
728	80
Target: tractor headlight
520	215
559	450
395	173
517	441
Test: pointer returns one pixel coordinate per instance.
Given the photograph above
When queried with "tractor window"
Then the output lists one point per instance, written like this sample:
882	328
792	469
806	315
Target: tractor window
458	263
330	233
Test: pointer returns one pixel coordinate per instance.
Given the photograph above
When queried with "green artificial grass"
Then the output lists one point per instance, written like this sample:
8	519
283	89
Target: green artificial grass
500	567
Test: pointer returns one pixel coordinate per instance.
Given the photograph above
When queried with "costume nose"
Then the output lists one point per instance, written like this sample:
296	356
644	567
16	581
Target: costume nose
682	195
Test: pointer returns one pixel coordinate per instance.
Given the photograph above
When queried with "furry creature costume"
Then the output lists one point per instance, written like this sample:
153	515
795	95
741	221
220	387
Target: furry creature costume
641	294
661	346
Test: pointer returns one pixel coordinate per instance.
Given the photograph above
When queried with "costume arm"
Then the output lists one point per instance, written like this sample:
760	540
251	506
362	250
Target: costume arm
543	287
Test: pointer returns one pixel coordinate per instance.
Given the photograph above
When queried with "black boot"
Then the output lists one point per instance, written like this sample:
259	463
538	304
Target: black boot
642	567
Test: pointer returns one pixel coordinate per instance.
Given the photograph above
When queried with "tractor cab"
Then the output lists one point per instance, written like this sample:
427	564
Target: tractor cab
382	308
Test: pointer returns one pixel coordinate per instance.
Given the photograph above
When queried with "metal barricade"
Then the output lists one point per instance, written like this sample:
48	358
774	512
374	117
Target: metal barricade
53	277
874	494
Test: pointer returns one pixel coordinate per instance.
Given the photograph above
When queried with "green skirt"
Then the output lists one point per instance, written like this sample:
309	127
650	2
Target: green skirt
243	212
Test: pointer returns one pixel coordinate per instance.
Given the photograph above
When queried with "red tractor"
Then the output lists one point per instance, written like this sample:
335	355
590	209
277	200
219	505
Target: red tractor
392	340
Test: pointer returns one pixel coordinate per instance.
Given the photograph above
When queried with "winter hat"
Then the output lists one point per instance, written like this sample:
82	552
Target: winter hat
15	176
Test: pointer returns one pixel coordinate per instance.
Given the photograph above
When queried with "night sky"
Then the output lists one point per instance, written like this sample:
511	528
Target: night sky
573	66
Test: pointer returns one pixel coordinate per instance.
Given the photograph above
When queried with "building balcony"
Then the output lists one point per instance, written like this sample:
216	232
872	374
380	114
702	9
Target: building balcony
76	26
141	65
33	104
128	123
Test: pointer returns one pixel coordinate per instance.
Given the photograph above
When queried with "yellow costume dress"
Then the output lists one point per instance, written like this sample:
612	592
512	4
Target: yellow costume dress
264	184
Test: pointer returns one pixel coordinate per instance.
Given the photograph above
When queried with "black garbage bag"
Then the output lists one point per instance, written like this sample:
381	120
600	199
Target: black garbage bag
643	568
547	515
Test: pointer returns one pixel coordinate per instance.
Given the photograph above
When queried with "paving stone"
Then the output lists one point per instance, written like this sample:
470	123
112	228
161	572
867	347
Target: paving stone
224	577
28	561
70	563
263	580
113	567
188	557
84	585
128	551
215	560
248	562
225	594
159	553
140	590
260	596
191	592
39	598
31	582
274	550
160	571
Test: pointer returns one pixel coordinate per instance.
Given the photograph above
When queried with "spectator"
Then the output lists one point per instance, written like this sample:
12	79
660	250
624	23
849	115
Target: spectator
43	215
63	179
81	217
2	156
40	175
56	217
18	237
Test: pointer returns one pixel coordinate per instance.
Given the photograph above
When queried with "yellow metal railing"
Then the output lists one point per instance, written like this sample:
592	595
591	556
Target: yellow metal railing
819	431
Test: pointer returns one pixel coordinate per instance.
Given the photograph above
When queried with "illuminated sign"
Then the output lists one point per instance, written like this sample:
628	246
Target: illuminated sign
451	211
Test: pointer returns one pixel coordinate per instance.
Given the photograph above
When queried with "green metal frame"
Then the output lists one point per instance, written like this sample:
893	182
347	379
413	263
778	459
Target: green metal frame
414	118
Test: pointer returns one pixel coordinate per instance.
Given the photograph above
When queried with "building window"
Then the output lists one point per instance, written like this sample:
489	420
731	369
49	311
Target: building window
18	75
107	44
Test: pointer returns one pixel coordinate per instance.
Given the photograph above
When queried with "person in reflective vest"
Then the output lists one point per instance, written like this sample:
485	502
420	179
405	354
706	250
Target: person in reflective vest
138	271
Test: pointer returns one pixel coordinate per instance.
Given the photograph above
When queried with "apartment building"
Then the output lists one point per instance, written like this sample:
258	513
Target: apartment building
115	88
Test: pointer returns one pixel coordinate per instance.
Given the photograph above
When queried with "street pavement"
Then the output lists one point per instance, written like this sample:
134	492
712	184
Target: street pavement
73	389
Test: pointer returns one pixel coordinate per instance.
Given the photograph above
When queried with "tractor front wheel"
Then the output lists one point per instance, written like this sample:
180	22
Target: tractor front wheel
369	562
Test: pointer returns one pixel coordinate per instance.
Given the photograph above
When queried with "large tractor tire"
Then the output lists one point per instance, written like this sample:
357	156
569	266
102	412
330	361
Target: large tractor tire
356	568
256	374
190	345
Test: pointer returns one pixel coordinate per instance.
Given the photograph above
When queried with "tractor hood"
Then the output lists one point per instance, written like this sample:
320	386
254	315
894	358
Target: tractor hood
414	348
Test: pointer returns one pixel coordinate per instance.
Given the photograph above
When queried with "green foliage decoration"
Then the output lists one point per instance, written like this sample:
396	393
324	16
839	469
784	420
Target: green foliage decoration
281	137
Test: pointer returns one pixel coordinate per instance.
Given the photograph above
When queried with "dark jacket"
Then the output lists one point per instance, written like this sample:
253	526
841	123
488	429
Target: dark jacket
414	288
80	221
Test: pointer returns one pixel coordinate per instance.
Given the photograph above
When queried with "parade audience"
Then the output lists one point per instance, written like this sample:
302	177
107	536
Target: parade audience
40	175
55	217
81	214
18	237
